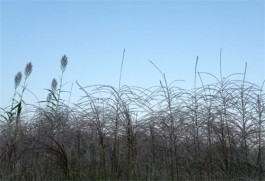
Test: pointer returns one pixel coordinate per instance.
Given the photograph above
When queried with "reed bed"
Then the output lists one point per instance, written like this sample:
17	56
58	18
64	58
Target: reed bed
212	132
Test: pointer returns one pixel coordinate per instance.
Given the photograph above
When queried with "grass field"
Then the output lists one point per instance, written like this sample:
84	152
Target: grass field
213	132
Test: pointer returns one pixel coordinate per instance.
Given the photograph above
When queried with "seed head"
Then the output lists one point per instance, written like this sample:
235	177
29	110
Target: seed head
64	62
18	78
28	70
54	85
49	97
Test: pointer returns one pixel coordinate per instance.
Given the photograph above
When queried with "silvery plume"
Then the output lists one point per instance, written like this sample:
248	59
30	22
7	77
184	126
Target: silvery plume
64	62
54	85
49	97
18	78
28	70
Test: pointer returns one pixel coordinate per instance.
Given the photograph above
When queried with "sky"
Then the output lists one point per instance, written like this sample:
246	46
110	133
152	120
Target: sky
93	35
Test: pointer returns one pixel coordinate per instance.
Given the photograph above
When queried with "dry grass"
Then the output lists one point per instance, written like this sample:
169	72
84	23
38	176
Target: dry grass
212	132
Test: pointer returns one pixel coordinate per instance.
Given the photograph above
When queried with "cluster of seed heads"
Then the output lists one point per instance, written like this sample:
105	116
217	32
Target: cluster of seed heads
27	72
54	83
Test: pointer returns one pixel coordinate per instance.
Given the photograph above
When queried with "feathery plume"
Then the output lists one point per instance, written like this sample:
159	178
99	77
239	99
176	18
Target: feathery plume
64	62
49	97
54	85
28	70
18	78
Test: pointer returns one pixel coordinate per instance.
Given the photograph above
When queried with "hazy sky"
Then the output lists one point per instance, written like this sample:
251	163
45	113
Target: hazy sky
93	35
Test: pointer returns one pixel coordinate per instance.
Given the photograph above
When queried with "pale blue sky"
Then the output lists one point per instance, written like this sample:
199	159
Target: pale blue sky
93	35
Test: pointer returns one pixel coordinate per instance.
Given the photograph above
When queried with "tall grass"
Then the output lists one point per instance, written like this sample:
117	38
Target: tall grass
213	132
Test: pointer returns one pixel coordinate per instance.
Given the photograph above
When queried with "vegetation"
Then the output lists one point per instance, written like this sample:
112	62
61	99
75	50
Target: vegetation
212	132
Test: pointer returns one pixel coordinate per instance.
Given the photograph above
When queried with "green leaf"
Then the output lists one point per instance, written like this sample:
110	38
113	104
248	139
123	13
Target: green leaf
19	109
4	117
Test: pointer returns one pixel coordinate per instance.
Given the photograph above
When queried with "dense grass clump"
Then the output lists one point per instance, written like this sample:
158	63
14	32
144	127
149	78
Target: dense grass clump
212	132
